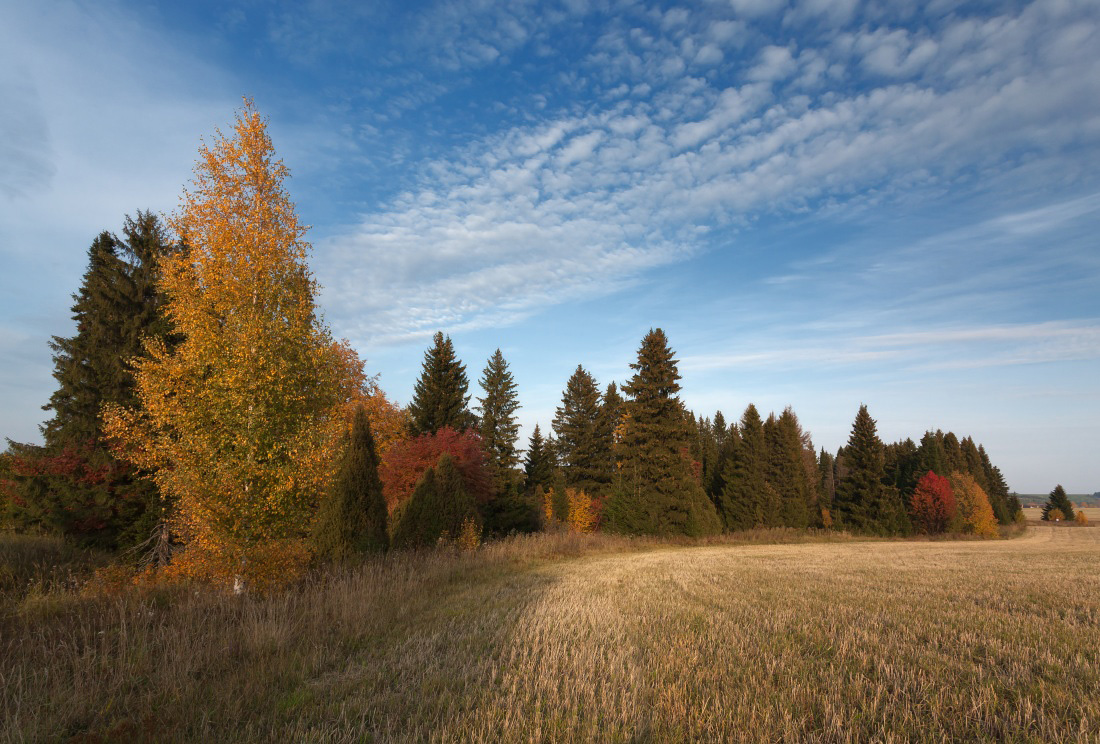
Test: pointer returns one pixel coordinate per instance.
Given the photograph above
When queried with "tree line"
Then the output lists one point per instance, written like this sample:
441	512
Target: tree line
205	416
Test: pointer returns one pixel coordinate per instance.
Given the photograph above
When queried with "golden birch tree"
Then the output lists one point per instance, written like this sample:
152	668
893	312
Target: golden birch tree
239	420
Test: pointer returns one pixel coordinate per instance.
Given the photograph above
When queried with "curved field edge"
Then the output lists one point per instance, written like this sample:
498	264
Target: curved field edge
583	638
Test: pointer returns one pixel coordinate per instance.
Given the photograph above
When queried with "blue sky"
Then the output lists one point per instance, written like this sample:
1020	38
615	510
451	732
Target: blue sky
823	202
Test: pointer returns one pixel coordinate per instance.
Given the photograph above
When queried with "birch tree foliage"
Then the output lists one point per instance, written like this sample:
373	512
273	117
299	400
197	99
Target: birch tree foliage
239	420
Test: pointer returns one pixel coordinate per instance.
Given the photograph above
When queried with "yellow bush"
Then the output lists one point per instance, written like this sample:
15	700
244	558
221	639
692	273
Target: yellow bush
583	515
1081	518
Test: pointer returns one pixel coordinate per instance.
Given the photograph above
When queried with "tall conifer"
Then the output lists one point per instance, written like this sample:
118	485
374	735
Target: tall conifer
497	421
747	499
583	448
81	488
787	472
439	397
661	494
863	502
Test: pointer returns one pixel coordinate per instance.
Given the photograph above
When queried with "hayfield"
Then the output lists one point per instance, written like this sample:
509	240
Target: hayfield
564	638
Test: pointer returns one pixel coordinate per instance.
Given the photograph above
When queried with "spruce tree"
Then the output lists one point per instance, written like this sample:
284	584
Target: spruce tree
1060	501
747	500
438	507
1004	507
81	488
930	455
497	421
538	466
902	460
352	516
608	425
583	449
439	397
660	494
863	502
787	471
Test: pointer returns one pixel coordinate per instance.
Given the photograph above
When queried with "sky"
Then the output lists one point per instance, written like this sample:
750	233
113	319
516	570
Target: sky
822	202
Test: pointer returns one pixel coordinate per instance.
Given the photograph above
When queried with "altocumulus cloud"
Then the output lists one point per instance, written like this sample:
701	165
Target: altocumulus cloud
697	125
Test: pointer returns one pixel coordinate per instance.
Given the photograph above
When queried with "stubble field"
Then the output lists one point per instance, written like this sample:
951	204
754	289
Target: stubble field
569	638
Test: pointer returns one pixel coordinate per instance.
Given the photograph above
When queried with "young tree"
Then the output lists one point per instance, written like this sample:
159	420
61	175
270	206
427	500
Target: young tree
661	494
439	398
932	505
583	450
239	419
1058	500
538	466
498	426
440	507
352	516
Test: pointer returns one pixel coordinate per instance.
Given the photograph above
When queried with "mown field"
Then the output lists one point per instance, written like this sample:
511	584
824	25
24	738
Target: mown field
571	638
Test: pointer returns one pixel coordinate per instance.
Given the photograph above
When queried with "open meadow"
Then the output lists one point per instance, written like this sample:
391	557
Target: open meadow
569	638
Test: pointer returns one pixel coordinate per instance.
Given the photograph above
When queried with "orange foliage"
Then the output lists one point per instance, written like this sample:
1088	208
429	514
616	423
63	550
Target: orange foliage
974	508
1080	517
548	506
583	511
240	420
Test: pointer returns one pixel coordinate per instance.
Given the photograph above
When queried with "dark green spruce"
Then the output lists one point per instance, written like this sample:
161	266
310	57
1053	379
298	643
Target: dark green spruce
438	507
497	421
439	397
1060	501
747	500
864	503
81	489
352	518
583	449
660	494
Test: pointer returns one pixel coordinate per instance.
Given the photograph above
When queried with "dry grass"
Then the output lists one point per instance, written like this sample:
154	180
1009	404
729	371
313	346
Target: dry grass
562	638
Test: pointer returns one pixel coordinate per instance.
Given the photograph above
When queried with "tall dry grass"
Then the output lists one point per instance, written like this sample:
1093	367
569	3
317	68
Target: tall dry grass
570	637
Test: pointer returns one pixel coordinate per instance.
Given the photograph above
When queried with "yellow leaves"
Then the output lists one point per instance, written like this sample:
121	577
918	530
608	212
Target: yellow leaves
241	418
973	505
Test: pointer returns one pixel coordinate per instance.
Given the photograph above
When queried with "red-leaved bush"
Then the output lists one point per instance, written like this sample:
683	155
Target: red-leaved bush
406	462
932	504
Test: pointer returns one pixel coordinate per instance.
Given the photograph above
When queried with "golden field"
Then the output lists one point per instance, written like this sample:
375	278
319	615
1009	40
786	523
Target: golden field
590	638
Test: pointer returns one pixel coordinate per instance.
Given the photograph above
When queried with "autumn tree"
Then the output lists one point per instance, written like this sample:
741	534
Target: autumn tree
408	460
975	513
439	397
497	421
239	420
1058	500
352	515
661	493
583	450
932	505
